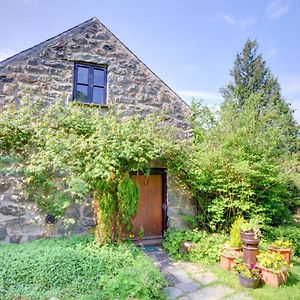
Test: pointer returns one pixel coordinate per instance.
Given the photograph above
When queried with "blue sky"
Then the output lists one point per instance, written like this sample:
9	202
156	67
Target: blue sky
190	44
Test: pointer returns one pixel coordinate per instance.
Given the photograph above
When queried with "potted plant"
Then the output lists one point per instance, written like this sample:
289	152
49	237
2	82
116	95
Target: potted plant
282	247
274	269
250	233
232	249
228	258
249	276
235	243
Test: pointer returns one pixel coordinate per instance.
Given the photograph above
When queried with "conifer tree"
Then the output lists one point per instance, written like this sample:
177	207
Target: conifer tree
251	76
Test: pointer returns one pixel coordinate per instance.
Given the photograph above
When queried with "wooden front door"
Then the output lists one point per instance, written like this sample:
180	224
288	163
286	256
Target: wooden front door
150	213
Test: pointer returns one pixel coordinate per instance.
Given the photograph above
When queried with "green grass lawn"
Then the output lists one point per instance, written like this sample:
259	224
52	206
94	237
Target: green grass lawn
289	291
77	268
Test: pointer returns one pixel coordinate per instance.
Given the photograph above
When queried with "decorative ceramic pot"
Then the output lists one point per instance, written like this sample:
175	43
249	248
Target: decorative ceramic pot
250	247
251	283
273	278
285	253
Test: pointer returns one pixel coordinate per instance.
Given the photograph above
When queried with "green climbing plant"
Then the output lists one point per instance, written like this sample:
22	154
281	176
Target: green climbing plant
71	151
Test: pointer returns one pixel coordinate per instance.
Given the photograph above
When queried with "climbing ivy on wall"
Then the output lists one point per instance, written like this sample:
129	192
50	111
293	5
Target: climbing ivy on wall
74	150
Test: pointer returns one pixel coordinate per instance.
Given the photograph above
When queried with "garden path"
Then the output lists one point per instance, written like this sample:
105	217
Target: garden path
188	281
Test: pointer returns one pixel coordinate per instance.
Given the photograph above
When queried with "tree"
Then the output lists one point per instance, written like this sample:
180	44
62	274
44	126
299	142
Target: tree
251	76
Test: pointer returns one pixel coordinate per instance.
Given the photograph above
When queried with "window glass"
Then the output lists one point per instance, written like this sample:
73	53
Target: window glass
98	95
99	77
82	75
90	84
82	93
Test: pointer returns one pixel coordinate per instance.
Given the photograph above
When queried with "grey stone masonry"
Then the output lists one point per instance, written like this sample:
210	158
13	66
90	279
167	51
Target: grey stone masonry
47	71
21	220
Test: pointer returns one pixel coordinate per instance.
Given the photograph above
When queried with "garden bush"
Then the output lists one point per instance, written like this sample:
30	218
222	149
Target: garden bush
77	268
207	250
288	232
236	166
74	151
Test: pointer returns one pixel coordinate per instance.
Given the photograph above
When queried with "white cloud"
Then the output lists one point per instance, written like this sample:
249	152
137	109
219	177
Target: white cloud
228	19
247	22
276	9
242	23
207	97
6	53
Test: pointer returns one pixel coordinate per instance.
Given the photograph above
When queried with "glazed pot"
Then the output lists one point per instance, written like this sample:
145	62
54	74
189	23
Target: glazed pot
250	283
285	253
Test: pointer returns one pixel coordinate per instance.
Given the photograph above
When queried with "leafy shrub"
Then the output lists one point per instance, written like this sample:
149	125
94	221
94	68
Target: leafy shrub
237	167
76	268
72	151
235	239
289	232
208	246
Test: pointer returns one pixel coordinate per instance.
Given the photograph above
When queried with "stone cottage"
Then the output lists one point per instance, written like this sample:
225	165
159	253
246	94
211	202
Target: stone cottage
90	64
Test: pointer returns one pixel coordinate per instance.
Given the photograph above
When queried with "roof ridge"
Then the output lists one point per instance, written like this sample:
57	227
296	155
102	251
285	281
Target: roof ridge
48	40
143	63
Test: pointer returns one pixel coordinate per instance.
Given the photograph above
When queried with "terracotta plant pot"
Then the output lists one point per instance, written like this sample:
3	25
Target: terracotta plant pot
227	261
250	247
285	253
248	282
273	278
237	251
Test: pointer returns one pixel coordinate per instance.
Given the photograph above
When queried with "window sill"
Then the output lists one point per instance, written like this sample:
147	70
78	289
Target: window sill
91	104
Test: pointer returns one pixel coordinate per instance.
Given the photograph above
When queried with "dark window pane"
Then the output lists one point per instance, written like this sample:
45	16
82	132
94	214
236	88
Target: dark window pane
82	93
99	77
83	75
98	95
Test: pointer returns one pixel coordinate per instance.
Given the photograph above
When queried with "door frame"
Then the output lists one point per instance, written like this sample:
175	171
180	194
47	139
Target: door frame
164	208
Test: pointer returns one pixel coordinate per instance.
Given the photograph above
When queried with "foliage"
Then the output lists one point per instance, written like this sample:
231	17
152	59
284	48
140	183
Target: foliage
271	260
244	160
73	150
288	232
253	225
290	290
251	76
117	206
251	271
128	284
237	168
280	244
235	239
77	268
207	248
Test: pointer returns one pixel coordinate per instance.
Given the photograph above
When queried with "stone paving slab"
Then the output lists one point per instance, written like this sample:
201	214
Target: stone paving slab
205	278
210	293
189	281
188	286
173	292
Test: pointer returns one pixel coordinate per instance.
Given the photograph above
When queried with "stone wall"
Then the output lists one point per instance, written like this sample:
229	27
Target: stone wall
47	71
179	204
21	220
